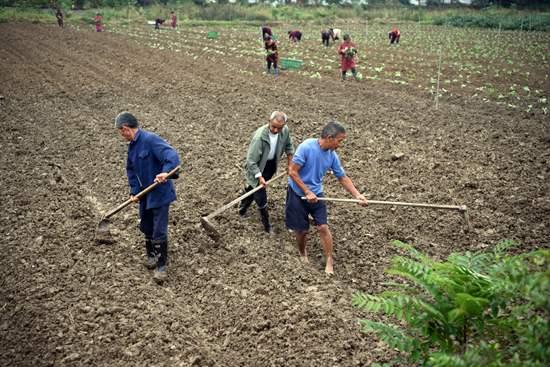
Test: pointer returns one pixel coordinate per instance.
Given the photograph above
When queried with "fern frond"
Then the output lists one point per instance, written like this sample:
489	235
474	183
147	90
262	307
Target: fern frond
391	335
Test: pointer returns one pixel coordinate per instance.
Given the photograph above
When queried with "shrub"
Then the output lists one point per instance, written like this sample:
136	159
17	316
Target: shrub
474	309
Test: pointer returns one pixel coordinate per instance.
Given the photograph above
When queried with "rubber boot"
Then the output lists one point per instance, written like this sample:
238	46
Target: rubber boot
245	203
276	72
161	247
343	76
354	73
264	216
151	261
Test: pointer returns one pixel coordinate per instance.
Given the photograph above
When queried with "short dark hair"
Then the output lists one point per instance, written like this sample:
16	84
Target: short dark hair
126	119
332	129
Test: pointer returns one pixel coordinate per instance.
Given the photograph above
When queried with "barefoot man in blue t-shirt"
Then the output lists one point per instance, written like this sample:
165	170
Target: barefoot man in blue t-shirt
313	158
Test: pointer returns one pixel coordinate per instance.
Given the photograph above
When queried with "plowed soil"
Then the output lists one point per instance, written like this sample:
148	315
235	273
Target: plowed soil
247	301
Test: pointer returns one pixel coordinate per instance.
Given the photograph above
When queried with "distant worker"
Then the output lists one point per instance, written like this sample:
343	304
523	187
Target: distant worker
59	16
98	22
272	55
335	33
394	36
326	35
266	31
150	159
311	161
295	36
347	51
159	22
267	146
173	19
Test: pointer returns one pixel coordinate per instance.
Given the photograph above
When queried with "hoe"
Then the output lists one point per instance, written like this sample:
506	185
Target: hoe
461	208
103	235
210	229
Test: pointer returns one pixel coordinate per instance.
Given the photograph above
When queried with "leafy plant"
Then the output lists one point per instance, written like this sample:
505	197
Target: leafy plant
474	309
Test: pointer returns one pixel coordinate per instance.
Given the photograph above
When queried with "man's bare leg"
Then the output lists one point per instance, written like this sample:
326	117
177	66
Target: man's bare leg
326	241
301	238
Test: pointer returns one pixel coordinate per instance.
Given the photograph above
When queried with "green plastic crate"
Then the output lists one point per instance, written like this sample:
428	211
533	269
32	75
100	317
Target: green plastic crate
291	64
212	35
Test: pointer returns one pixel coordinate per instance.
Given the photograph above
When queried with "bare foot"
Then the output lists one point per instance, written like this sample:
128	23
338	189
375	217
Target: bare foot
303	256
329	266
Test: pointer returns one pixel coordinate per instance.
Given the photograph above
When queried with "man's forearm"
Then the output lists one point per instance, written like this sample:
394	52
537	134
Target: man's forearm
349	186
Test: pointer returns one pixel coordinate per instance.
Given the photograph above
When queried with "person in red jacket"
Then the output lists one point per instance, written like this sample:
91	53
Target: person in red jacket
272	56
98	24
394	36
347	52
173	19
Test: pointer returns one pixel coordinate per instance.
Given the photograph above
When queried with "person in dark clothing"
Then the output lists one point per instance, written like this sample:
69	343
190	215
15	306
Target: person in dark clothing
272	56
267	146
394	36
150	158
326	34
295	36
59	16
159	22
266	31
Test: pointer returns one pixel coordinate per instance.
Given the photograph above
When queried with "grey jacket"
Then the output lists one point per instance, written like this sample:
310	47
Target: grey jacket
256	158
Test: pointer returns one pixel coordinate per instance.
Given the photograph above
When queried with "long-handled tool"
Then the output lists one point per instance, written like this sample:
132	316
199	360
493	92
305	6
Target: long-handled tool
210	228
103	235
461	208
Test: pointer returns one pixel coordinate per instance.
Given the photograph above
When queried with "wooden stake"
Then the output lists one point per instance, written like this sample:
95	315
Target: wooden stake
438	75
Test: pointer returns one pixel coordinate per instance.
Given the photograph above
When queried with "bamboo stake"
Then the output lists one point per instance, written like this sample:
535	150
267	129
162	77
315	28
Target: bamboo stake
438	75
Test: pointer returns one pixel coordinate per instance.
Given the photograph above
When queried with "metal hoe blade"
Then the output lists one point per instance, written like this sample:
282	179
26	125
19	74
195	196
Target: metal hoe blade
210	229
102	234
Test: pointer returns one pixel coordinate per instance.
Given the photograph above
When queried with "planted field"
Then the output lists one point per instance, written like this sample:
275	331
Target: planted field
249	301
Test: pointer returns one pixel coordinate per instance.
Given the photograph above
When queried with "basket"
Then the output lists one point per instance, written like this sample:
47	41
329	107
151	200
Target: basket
212	35
291	64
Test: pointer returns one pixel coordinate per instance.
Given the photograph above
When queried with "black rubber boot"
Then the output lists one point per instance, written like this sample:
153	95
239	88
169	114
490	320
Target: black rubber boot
245	203
161	248
151	261
264	216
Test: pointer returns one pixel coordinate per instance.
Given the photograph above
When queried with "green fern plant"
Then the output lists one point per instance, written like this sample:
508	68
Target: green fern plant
473	309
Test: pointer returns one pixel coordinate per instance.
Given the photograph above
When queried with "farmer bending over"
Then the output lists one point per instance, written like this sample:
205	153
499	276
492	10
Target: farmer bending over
159	22
394	36
347	51
335	33
267	146
150	158
295	36
313	158
272	55
326	35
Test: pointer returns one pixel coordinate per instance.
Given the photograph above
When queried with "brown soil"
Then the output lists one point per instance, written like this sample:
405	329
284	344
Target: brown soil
248	301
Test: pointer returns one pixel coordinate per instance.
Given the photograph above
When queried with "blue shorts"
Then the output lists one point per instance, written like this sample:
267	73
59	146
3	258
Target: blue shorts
297	212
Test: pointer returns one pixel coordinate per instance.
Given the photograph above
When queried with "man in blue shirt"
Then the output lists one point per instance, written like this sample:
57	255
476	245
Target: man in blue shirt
313	158
150	158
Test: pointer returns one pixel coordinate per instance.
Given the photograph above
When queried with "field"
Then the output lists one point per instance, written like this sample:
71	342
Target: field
249	301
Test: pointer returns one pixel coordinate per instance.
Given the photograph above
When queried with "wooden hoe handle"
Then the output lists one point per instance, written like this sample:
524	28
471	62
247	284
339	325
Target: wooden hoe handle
251	192
139	195
397	203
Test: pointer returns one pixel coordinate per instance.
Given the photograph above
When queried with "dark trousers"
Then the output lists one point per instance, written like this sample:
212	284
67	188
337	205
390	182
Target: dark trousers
394	38
154	222
271	61
260	196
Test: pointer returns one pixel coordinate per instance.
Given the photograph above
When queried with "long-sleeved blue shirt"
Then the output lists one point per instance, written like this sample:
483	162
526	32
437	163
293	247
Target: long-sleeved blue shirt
149	155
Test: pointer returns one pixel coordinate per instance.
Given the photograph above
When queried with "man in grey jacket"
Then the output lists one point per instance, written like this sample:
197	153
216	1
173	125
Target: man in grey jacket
267	146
